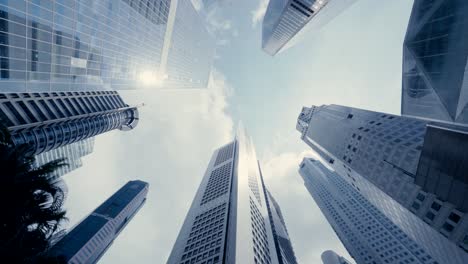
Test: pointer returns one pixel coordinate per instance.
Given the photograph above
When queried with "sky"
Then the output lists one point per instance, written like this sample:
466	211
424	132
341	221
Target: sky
355	60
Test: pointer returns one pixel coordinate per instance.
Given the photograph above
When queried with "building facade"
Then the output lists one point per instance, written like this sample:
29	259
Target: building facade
285	19
283	245
80	45
47	121
435	56
72	154
368	235
89	240
189	49
390	160
330	257
228	221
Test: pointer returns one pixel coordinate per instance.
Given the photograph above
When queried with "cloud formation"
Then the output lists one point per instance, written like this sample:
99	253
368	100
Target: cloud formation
259	12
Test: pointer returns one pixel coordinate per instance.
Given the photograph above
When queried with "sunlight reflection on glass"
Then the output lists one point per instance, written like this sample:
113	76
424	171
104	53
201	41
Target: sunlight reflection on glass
151	78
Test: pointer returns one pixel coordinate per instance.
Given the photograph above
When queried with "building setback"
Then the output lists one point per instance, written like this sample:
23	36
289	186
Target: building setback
395	163
286	19
47	121
90	239
229	220
435	56
368	235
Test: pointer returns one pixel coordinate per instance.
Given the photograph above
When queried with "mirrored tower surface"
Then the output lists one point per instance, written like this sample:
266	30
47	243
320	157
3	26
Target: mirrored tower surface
189	48
77	45
435	55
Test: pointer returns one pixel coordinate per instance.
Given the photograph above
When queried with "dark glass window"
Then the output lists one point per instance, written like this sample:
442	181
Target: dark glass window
448	227
420	197
454	217
436	206
430	216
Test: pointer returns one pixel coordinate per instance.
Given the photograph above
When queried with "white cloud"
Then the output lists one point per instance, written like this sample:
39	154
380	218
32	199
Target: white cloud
170	149
309	231
259	12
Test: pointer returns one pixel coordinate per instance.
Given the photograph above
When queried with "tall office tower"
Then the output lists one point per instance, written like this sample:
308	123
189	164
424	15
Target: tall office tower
228	221
47	121
368	235
284	248
435	56
72	154
286	20
74	45
400	165
188	49
330	257
90	239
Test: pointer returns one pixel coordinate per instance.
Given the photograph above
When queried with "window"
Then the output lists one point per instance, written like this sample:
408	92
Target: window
448	227
416	205
436	206
420	197
430	216
454	217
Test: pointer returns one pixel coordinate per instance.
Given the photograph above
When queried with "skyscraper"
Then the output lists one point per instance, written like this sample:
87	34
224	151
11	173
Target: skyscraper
330	257
395	163
72	153
89	240
229	220
284	19
188	49
435	56
284	248
80	45
368	235
92	45
47	121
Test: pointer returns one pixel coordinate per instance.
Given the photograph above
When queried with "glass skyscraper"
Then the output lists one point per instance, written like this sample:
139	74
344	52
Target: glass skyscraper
79	45
47	121
368	235
400	165
231	219
435	56
89	45
90	239
72	153
285	19
189	50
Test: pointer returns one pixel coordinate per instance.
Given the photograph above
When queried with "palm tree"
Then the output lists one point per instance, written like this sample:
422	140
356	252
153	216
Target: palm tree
32	203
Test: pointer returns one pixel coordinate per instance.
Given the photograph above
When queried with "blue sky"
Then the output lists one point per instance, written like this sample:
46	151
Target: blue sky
355	60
